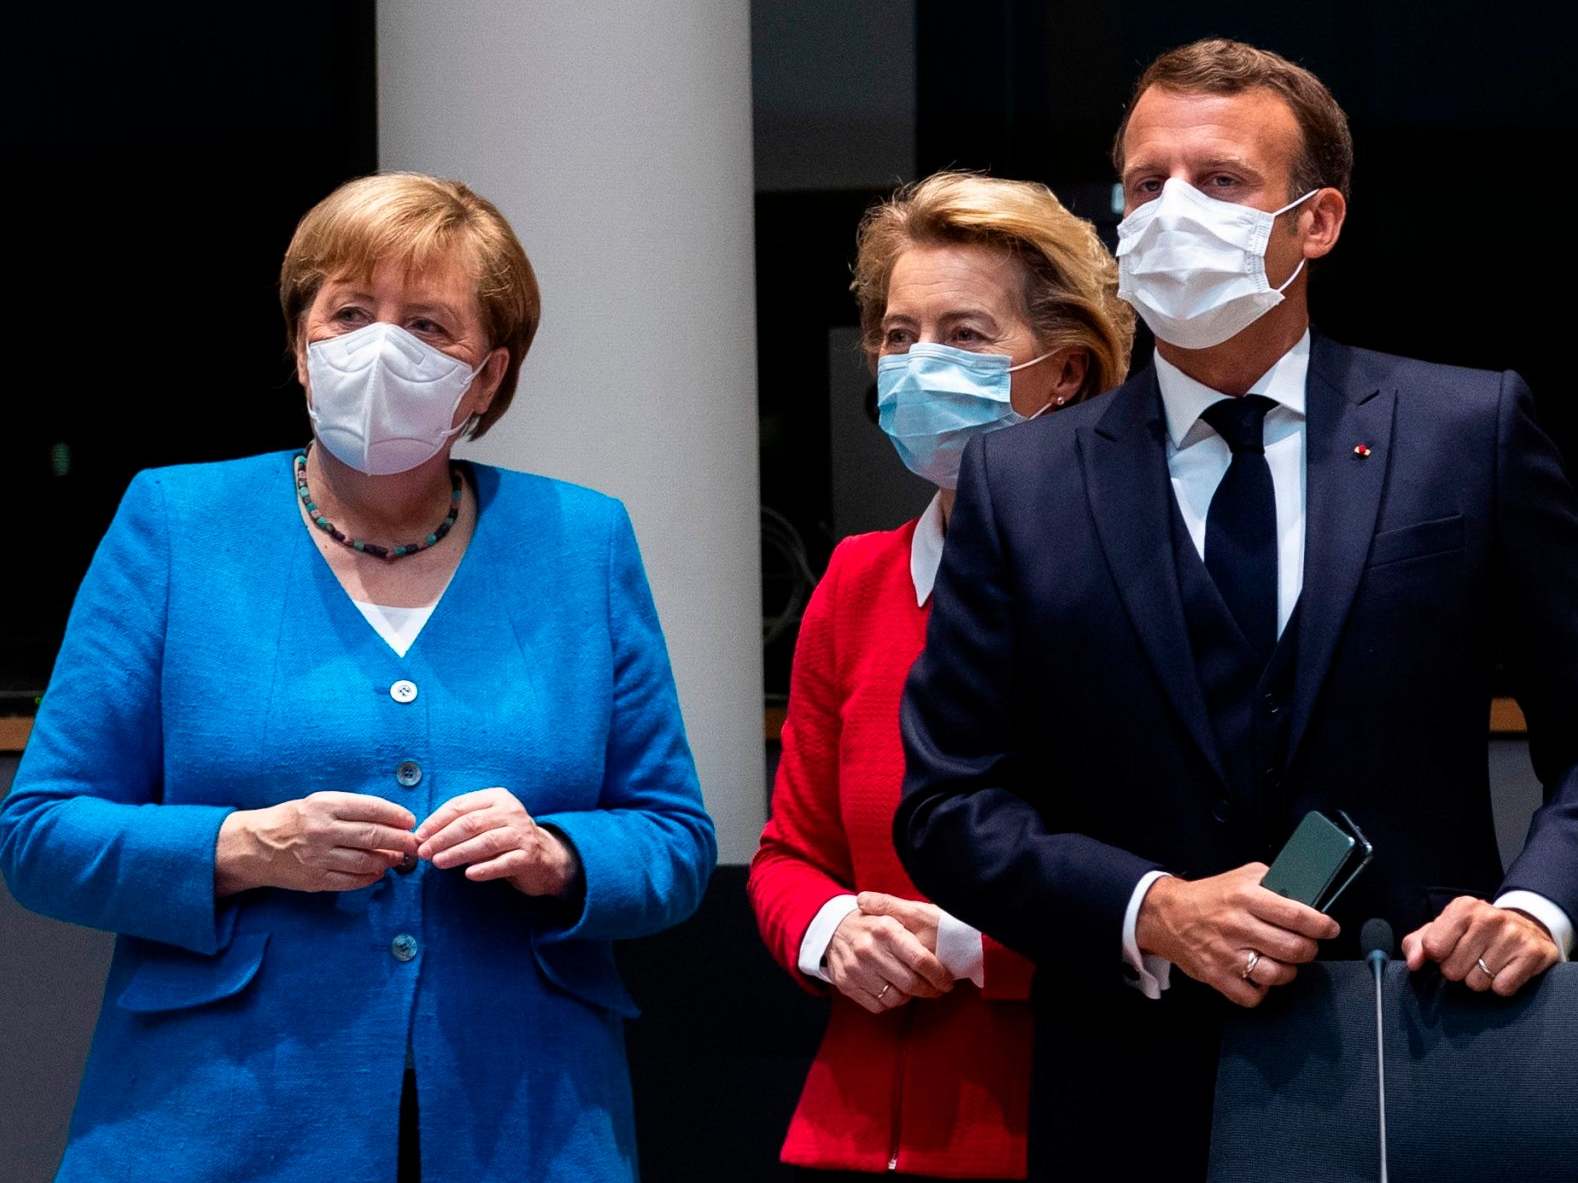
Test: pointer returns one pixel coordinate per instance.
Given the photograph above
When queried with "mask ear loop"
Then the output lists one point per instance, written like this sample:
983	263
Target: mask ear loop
1291	278
469	420
1050	403
1290	205
1024	365
1300	201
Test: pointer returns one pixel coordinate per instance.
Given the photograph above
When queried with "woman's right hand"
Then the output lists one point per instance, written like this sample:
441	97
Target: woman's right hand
322	842
881	964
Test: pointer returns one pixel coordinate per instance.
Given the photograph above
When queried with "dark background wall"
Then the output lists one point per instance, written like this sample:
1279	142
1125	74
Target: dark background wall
157	158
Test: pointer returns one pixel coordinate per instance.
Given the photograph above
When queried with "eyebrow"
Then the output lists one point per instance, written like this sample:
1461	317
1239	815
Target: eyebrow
951	315
438	306
1233	163
434	306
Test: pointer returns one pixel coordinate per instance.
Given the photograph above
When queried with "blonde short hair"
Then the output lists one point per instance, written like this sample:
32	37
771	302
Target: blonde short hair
1071	281
418	221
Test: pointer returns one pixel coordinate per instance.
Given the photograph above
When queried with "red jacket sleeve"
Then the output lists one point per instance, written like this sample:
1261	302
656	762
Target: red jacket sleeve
1006	975
804	860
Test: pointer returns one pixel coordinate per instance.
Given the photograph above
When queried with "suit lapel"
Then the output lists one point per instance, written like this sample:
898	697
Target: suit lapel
1342	499
1125	462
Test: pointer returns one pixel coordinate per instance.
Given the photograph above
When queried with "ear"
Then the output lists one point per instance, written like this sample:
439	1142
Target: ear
301	354
1070	365
1321	219
488	381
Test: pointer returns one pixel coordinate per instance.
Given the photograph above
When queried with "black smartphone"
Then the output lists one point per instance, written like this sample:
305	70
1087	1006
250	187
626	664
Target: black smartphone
1319	862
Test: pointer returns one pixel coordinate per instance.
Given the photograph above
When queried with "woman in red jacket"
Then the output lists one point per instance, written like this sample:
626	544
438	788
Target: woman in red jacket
982	303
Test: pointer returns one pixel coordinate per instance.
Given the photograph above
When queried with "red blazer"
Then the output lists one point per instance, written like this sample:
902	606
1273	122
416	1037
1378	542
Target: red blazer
932	1087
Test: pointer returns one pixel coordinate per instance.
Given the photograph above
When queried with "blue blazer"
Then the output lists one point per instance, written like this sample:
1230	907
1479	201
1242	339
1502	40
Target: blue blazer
1055	729
212	662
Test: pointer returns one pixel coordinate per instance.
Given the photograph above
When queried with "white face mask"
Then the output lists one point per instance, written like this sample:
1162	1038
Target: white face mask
383	400
1195	267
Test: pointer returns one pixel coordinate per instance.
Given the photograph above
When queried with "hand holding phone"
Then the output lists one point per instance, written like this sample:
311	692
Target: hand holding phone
1319	862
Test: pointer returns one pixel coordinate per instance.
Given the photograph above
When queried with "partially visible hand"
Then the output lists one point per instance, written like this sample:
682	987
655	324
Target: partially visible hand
879	963
1209	928
1515	946
321	842
918	916
490	833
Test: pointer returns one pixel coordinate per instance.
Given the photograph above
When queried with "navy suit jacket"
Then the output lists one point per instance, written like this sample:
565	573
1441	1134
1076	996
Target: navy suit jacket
1056	736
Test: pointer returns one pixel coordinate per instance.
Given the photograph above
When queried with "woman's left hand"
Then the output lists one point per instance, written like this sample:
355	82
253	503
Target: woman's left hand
490	833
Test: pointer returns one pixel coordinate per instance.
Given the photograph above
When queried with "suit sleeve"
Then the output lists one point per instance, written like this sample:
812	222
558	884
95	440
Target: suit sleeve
84	836
1537	533
648	850
965	831
804	858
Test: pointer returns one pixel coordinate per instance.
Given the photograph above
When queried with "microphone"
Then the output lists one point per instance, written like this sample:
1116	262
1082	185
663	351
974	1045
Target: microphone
1376	940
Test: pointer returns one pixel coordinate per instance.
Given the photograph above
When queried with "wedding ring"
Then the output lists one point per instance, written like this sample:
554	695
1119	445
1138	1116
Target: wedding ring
1254	960
883	993
1484	969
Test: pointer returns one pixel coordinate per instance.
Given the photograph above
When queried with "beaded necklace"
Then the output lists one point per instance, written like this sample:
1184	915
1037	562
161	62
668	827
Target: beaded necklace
388	554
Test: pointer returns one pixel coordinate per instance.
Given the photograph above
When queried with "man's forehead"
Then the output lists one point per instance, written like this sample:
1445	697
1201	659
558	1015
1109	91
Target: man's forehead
1255	125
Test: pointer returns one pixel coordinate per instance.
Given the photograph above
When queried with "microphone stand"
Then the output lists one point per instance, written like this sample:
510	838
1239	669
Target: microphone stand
1377	959
1376	938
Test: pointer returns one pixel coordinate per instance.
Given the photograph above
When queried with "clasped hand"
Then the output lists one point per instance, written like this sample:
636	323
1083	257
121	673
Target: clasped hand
332	841
884	953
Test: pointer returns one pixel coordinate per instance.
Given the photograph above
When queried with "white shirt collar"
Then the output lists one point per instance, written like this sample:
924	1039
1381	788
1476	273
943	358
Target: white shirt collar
926	551
1183	398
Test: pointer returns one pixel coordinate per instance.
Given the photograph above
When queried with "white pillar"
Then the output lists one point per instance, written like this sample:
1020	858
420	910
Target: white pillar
616	138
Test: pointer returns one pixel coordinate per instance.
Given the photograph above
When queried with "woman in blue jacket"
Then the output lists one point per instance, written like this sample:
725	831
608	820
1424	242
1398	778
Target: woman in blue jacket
367	756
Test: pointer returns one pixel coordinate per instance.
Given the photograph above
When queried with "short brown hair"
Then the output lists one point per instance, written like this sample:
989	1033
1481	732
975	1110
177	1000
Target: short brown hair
1071	282
419	221
1219	66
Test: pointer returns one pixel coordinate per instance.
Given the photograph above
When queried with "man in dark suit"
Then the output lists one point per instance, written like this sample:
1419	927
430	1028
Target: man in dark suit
1269	574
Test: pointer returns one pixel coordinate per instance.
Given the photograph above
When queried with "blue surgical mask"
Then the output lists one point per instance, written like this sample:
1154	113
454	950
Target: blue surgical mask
932	400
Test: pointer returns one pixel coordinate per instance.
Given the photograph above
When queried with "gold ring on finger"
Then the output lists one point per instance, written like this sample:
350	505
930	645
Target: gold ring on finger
1249	968
1485	969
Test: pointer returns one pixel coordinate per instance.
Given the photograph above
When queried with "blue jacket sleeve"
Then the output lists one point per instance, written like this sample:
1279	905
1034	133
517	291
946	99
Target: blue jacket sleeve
1537	534
649	848
965	830
84	836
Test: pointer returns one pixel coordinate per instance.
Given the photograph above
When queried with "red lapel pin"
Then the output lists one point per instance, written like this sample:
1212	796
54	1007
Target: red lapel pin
1361	450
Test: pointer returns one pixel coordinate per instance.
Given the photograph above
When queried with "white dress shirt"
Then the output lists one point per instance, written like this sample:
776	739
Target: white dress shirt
1197	460
958	945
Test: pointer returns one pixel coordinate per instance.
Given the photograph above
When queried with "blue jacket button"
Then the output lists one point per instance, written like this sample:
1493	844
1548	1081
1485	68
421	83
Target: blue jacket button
403	947
409	774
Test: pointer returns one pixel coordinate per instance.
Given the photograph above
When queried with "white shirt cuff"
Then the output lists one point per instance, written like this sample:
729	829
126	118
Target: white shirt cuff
1551	915
960	951
819	935
1147	973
